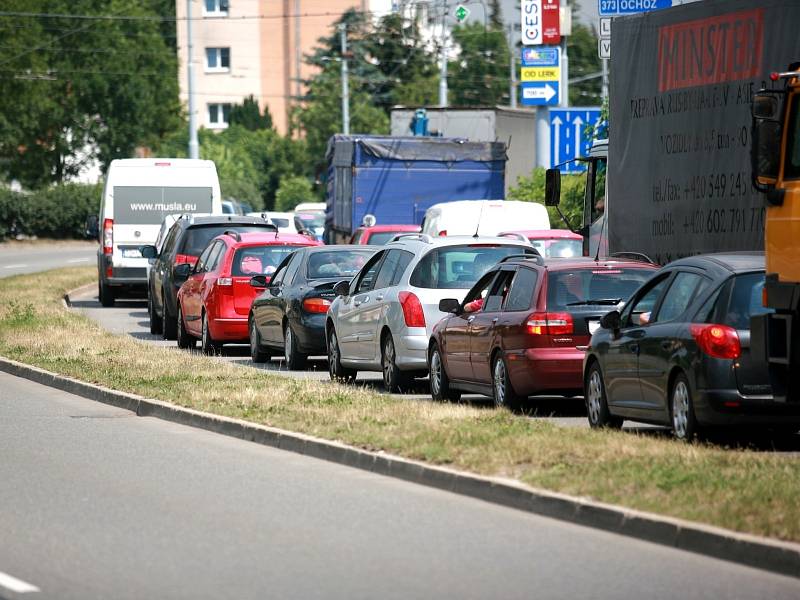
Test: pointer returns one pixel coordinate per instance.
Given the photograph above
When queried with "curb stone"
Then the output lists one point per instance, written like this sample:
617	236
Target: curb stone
763	553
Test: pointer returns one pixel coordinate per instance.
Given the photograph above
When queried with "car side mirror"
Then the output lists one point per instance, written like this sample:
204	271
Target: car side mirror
552	187
342	288
92	227
148	251
182	271
449	305
611	321
258	281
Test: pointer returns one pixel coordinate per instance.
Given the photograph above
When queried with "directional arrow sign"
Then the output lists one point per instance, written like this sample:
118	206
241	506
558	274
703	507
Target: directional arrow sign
569	137
539	93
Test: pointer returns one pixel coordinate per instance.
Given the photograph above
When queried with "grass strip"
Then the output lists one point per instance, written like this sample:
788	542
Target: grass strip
744	490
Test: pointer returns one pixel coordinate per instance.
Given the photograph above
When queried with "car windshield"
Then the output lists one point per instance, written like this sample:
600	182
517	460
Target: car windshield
197	238
259	260
309	220
379	238
745	300
459	267
558	248
339	263
592	286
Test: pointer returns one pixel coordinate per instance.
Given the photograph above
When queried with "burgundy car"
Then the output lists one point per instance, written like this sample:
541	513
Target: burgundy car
524	327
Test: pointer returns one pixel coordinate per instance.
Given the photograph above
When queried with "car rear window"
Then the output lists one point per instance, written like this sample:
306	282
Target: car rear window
279	222
379	238
197	238
459	267
585	286
745	300
336	264
259	260
558	248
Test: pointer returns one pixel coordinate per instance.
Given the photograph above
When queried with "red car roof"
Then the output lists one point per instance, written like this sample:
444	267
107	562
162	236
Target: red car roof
271	239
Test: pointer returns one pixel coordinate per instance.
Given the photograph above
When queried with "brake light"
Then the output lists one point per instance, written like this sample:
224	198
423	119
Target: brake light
550	324
718	341
764	297
412	309
108	236
181	259
316	305
443	233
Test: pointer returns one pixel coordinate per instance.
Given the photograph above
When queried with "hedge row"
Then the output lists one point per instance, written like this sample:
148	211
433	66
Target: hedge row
58	212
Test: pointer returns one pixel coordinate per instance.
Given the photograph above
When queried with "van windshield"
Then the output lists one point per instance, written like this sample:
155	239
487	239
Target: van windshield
148	205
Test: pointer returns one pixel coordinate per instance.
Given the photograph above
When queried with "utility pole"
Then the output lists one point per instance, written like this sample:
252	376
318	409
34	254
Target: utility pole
194	146
443	64
564	92
298	53
345	83
512	64
604	92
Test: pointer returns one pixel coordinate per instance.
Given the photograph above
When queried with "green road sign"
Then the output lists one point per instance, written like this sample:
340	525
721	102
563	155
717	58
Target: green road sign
462	12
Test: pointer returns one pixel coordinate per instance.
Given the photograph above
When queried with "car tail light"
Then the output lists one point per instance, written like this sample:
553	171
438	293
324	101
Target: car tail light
108	236
181	259
550	323
718	341
764	297
443	233
412	309
316	305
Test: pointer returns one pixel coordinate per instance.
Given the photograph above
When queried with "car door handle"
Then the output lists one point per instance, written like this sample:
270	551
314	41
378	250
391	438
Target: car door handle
361	301
378	298
495	320
470	319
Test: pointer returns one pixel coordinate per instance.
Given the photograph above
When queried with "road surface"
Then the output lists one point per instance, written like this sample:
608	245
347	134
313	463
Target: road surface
97	503
21	257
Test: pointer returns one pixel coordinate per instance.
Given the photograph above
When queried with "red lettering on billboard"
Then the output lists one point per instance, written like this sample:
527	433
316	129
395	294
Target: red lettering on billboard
551	22
713	50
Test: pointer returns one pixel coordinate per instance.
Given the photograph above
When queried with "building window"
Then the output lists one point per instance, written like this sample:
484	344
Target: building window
215	8
218	115
218	59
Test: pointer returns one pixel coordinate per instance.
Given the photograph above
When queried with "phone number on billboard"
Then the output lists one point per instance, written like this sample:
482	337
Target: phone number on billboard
725	220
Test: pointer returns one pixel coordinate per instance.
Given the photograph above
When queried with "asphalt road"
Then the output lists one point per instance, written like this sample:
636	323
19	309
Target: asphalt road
98	503
17	258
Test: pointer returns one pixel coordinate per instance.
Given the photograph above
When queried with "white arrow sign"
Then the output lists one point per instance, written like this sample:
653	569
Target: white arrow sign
557	145
577	121
547	92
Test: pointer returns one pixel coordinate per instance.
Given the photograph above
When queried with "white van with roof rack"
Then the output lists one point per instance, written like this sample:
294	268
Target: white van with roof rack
483	217
137	195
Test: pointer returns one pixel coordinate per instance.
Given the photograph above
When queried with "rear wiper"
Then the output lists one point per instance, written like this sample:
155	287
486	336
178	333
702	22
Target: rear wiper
596	301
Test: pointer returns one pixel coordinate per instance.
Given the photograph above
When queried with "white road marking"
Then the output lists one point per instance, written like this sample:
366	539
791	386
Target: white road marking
16	585
14	266
77	260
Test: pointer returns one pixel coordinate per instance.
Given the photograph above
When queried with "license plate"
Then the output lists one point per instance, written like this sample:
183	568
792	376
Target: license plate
594	325
131	253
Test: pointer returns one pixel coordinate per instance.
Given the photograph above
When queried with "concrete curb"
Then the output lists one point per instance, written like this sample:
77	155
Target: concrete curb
771	555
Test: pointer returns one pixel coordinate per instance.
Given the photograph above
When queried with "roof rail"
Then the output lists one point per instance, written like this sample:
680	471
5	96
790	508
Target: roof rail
515	235
636	256
535	256
423	237
233	233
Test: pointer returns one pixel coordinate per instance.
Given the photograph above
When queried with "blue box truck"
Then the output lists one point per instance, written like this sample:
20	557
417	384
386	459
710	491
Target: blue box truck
396	179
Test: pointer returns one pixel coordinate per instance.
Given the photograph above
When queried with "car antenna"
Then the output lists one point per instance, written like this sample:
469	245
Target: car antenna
480	216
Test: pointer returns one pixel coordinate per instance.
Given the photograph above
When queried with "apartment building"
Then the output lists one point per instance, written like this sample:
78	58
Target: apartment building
243	47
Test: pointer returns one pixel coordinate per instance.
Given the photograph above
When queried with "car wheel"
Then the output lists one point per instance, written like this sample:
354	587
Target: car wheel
596	402
207	343
503	392
106	294
156	323
394	380
257	352
185	340
170	324
439	381
335	368
294	358
681	408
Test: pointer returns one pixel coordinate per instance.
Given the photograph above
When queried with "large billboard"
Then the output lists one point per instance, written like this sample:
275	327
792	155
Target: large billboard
682	80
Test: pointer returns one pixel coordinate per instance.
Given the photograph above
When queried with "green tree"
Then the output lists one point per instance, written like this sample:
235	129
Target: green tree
249	115
292	191
479	75
531	189
583	61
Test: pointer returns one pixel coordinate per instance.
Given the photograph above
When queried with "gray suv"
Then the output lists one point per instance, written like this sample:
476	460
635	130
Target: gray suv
382	319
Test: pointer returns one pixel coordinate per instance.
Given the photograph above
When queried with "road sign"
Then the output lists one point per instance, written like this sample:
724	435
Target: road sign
569	138
539	76
604	48
605	28
541	57
539	93
613	8
462	12
531	22
551	22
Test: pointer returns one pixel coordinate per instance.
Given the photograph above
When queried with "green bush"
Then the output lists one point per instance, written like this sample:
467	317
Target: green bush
292	191
57	212
531	189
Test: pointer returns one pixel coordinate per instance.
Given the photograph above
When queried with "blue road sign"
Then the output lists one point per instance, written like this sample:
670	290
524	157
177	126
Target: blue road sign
539	93
540	56
543	62
615	8
568	136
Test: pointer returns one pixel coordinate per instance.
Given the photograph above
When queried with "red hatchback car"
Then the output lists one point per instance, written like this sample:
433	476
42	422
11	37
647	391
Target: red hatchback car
378	235
524	327
215	299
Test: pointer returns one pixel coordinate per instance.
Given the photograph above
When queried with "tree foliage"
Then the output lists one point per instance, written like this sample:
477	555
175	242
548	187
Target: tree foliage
292	191
249	115
583	61
479	75
531	189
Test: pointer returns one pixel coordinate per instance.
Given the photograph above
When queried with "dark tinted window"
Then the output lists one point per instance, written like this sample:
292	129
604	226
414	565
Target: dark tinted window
197	238
169	244
641	311
367	279
216	255
283	268
680	294
394	265
707	313
568	287
499	291
745	300
459	267
259	260
202	262
336	263
521	295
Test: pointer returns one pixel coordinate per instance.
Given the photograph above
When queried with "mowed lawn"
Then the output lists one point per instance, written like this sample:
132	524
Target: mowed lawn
744	490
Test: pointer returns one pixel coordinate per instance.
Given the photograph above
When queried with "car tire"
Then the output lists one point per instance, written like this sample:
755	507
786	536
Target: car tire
394	380
293	358
185	340
681	410
207	343
106	295
170	323
503	392
437	376
335	368
596	401
156	322
258	354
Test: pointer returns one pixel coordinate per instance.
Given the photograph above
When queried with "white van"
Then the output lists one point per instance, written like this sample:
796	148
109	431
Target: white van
137	195
484	217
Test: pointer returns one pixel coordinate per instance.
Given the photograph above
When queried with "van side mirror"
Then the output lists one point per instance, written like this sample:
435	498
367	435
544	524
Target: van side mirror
342	288
258	281
766	106
92	227
449	305
611	320
182	271
552	187
148	251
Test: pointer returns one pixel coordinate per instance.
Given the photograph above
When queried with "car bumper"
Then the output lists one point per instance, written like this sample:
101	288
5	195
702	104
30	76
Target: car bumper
535	370
729	407
310	332
412	352
229	329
